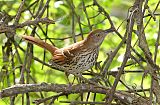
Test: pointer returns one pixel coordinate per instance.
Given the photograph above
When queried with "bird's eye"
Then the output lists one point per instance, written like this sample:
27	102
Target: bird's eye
98	35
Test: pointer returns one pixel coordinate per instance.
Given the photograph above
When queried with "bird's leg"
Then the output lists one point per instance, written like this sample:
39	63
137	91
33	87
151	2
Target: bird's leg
67	76
79	75
67	73
73	79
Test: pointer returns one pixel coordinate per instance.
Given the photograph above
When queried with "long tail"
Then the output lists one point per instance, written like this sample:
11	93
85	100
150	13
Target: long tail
40	43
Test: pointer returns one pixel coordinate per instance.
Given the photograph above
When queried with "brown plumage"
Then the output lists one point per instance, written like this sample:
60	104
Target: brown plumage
76	57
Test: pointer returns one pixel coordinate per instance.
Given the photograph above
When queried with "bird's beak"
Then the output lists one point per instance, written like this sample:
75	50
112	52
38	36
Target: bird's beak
109	30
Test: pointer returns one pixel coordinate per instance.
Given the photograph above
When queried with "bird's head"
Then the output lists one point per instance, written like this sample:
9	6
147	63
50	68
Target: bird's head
97	36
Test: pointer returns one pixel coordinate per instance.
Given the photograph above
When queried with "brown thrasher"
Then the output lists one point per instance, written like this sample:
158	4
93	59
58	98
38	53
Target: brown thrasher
76	57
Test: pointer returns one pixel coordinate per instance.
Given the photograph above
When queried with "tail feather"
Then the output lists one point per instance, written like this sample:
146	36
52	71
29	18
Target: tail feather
40	43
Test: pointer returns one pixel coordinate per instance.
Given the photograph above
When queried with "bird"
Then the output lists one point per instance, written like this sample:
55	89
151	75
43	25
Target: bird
77	57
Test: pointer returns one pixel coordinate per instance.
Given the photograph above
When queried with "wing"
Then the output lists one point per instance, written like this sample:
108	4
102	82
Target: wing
62	57
66	55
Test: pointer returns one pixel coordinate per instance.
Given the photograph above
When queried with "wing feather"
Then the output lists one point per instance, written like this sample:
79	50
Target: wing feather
66	54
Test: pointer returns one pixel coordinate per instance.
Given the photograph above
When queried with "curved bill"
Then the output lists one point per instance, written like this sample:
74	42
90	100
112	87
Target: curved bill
109	30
